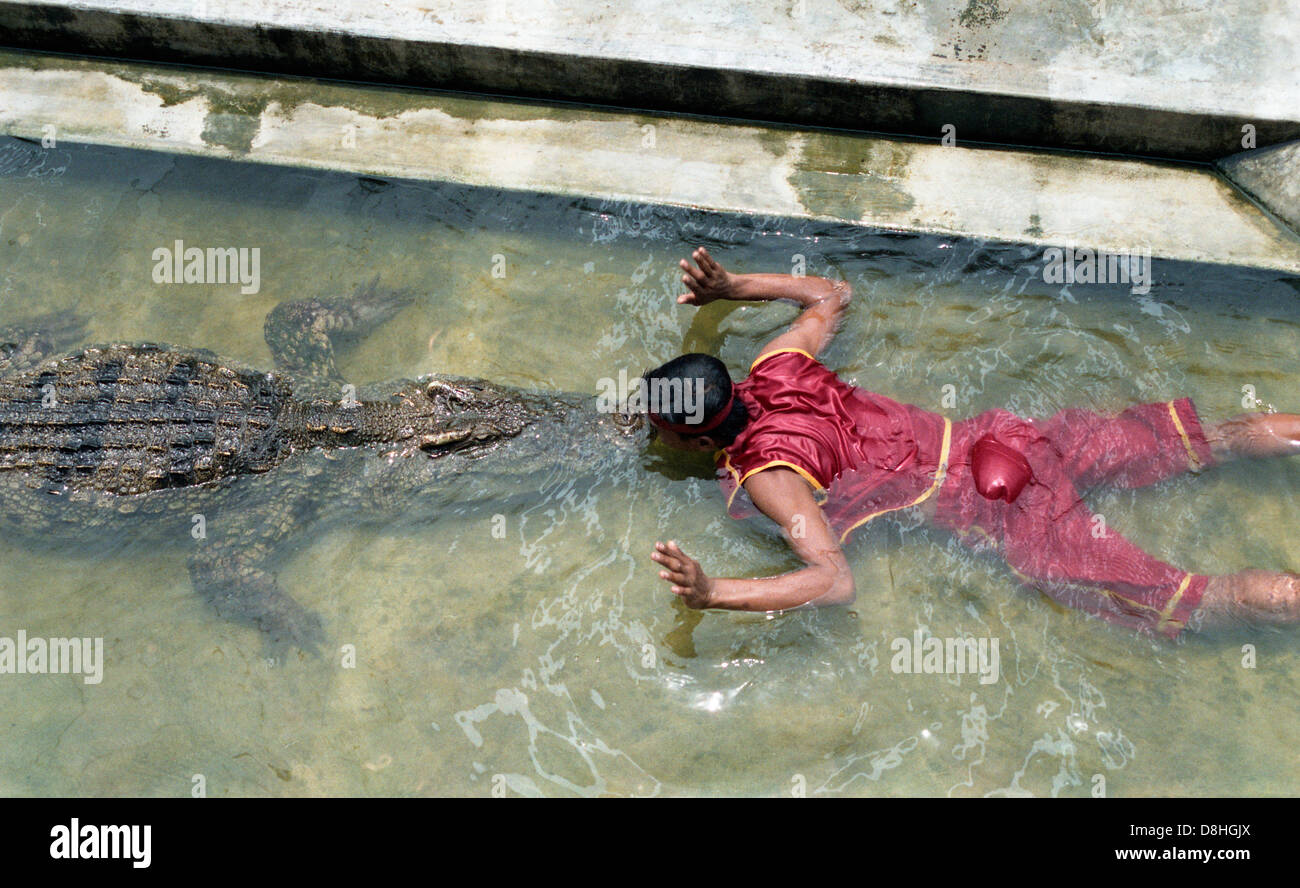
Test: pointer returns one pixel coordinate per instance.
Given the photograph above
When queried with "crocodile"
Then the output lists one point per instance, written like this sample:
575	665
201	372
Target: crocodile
130	436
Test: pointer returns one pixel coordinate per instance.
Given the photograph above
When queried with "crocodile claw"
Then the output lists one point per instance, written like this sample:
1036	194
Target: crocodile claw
302	630
244	592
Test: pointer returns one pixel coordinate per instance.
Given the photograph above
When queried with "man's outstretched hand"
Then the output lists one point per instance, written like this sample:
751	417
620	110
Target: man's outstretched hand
684	573
707	283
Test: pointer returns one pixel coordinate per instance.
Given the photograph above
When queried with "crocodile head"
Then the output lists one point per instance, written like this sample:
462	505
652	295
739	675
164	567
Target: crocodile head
469	440
442	414
439	414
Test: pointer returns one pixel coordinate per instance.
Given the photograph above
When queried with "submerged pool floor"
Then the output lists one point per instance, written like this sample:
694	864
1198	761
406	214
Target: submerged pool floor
549	659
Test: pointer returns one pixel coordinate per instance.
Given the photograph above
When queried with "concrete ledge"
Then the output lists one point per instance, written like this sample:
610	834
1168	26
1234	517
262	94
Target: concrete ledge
1271	176
1177	212
1076	74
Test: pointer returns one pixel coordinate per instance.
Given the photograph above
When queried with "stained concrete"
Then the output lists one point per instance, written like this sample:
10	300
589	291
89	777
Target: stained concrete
1271	176
1175	79
1174	210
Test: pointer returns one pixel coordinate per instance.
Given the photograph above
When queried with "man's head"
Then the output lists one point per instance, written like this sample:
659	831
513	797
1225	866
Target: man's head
673	392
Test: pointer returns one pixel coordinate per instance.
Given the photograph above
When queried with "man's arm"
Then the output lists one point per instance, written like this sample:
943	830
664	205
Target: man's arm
823	300
825	579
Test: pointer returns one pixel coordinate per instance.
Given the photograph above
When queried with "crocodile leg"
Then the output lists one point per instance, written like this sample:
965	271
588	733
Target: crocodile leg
303	334
22	347
231	569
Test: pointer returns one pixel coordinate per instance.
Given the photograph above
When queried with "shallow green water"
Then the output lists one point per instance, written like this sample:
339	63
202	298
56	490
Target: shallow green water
553	661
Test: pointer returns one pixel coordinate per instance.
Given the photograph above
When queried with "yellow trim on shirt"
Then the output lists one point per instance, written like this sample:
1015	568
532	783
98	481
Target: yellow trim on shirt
780	351
741	479
1173	603
1192	459
807	476
734	474
940	475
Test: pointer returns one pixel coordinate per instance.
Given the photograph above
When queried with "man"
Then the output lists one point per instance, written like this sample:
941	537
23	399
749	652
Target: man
821	458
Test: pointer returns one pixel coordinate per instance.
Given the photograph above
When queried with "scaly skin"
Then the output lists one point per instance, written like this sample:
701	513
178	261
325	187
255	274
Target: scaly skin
144	437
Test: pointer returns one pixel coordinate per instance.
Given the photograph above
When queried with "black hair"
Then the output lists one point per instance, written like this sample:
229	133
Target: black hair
717	390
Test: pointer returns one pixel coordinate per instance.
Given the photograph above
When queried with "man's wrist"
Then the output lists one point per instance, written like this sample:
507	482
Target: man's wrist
710	591
731	288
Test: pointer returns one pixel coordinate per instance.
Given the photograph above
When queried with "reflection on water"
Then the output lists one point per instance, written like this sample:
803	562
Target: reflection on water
537	652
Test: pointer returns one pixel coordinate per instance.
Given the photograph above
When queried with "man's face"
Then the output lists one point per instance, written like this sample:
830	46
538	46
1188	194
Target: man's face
684	442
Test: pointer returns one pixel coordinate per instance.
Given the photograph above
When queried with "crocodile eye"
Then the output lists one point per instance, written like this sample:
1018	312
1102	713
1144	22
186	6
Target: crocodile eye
450	396
437	394
629	420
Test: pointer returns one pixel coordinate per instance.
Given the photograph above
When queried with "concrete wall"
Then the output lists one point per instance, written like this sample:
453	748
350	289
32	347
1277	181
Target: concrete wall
1174	210
1170	79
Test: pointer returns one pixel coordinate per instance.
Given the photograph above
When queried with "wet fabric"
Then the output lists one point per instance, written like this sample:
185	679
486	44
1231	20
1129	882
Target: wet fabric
863	453
1050	538
867	455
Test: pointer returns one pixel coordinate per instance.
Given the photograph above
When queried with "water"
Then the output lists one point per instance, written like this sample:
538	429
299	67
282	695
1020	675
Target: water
553	661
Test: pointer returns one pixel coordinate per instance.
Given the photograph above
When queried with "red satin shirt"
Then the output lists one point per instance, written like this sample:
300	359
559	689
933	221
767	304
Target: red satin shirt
863	453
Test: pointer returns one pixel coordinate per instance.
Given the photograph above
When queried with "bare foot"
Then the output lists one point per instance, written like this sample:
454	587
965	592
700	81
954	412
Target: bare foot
1261	597
1255	435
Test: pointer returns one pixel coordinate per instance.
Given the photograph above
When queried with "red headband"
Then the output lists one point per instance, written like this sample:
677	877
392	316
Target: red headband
698	428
